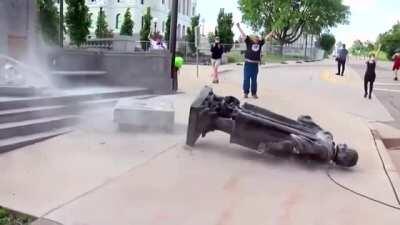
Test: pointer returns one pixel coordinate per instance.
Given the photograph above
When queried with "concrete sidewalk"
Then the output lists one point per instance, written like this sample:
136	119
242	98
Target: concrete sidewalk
97	175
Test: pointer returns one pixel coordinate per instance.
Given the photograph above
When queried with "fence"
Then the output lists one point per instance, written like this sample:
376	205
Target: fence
270	52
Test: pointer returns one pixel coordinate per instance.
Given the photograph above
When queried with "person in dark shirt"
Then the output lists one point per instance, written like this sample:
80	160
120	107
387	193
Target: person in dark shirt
370	76
252	60
216	58
341	60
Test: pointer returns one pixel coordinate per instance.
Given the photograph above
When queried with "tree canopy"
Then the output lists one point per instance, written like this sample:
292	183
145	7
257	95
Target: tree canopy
78	21
146	29
327	42
290	18
127	24
49	21
168	28
224	29
390	40
360	48
102	26
190	37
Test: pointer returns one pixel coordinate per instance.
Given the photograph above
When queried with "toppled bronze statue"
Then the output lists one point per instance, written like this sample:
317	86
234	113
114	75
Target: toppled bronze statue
264	131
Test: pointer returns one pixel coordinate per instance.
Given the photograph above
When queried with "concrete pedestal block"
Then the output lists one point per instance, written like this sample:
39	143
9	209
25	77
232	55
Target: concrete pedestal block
145	114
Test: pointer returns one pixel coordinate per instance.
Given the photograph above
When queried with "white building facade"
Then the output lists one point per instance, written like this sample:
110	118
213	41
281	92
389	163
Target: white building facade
115	11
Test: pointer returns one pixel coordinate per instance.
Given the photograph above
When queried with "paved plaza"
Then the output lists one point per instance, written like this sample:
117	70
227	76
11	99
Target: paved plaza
98	175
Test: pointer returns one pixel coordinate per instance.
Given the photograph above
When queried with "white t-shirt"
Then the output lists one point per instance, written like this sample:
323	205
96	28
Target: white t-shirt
157	46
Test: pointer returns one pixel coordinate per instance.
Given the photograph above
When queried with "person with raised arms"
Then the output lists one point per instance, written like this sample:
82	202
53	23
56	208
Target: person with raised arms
254	46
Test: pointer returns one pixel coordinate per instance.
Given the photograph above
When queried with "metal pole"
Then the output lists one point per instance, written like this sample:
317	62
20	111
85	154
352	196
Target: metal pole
197	62
172	43
197	39
305	49
61	23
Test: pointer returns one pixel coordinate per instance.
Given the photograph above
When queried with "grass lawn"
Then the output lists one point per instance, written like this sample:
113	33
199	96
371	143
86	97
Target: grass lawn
12	218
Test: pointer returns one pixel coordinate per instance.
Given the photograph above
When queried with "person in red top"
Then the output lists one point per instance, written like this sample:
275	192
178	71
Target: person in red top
396	64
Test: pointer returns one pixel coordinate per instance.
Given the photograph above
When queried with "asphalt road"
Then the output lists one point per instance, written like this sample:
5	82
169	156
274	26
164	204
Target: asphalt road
385	88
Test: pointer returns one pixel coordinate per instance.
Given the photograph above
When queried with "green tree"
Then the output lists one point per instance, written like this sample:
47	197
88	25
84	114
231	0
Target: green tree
190	37
127	25
327	42
390	40
358	48
168	28
102	26
78	21
224	29
369	46
49	21
146	29
211	37
290	18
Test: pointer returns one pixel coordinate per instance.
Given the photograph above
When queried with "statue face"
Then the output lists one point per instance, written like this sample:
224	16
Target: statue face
345	156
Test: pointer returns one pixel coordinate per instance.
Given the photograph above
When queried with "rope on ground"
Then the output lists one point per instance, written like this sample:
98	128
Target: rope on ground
328	173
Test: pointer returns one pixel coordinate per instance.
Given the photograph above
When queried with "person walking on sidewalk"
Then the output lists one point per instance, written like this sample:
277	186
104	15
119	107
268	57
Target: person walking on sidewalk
341	60
396	64
370	76
216	58
254	46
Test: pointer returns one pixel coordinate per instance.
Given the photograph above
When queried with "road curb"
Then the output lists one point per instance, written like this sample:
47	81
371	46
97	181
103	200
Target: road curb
389	166
43	221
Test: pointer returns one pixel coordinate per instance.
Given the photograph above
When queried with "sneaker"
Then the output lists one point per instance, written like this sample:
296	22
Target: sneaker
337	74
246	96
365	95
395	78
255	96
369	97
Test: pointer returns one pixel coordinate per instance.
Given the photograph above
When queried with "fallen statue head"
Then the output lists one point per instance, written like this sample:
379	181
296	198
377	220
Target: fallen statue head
264	131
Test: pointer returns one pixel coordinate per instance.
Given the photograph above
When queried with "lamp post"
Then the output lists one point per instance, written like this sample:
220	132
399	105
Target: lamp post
61	23
155	20
172	43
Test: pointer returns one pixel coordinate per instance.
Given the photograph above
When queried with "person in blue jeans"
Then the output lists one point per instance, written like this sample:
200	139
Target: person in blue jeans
252	60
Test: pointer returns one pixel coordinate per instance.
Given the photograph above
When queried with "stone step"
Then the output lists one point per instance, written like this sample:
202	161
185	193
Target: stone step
20	91
78	72
31	113
69	99
22	141
29	127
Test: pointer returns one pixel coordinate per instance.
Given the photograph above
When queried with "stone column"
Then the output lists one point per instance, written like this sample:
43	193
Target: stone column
32	27
3	27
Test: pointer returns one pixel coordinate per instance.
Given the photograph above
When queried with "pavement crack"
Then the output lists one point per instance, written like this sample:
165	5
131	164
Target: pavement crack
111	180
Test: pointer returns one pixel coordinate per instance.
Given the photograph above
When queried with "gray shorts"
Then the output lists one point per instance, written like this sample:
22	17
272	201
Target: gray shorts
215	62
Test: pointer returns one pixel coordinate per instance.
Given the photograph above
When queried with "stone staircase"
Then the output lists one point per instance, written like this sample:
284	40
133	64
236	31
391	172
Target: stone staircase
24	121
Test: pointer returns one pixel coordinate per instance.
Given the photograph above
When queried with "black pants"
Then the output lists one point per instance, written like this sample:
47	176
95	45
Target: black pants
341	66
371	86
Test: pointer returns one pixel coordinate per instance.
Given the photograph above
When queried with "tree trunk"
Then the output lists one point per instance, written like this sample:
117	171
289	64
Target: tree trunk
281	48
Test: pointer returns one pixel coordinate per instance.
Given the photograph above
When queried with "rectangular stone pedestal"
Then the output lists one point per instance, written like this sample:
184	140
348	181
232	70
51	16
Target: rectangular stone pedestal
148	114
